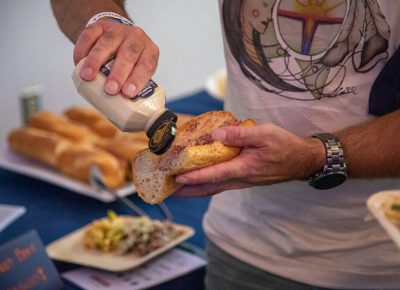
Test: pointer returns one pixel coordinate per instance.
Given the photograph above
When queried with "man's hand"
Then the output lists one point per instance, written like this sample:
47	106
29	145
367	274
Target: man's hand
270	154
136	55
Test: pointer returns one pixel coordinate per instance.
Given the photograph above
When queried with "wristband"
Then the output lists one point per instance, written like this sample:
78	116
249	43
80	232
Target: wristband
100	15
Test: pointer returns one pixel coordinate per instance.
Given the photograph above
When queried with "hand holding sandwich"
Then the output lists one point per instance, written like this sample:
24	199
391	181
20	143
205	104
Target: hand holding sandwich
270	154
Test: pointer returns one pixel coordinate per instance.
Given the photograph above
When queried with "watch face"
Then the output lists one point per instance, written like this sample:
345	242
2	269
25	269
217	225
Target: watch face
329	180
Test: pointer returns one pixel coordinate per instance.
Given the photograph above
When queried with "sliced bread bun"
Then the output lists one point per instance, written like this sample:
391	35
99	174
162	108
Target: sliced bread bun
193	148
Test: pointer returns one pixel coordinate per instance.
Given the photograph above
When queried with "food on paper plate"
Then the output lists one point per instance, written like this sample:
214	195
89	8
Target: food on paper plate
392	210
193	148
385	207
123	234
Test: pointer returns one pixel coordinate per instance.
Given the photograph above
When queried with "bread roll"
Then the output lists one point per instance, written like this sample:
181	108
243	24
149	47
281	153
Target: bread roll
70	158
94	120
76	160
193	148
183	118
125	146
60	125
37	144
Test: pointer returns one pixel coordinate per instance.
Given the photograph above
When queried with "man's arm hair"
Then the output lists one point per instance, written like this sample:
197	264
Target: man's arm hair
372	149
72	15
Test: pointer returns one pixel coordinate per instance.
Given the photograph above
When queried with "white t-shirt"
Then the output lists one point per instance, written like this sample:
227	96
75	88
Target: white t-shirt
307	66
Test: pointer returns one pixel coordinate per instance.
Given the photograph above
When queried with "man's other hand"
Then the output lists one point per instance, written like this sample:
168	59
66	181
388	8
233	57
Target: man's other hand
270	154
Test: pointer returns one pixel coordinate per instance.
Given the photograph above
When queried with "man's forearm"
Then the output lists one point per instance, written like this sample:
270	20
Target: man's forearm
372	149
72	15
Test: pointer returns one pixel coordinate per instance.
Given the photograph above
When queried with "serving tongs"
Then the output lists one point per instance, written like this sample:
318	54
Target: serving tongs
97	181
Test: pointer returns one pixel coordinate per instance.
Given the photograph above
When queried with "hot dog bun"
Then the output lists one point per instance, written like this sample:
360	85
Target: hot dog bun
72	159
60	125
93	119
76	162
193	148
38	144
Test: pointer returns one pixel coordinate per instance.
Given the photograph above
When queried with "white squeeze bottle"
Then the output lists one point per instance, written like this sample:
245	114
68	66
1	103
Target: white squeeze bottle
144	112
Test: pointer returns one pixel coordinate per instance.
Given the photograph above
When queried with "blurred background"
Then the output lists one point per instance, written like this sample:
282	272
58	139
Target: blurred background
35	52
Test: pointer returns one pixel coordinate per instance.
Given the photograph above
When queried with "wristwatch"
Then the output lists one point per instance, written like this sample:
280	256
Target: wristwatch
334	171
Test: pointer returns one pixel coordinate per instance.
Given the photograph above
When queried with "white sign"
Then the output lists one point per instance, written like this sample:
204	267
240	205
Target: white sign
169	266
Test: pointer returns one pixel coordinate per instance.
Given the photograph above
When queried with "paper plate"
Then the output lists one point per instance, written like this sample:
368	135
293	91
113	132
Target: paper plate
70	249
376	204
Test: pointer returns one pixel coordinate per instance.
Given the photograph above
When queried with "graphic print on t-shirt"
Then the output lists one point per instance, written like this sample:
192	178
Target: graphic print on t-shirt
303	49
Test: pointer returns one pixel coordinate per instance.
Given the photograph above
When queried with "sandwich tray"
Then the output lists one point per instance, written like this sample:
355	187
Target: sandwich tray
375	204
12	161
71	249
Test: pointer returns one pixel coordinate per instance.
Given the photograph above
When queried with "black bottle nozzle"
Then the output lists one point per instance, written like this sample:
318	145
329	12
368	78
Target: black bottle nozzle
162	133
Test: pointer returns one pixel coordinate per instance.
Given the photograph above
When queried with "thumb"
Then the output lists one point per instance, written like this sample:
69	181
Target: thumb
238	136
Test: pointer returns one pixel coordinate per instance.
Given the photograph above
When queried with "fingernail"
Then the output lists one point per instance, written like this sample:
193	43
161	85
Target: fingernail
219	134
111	87
86	73
130	90
181	179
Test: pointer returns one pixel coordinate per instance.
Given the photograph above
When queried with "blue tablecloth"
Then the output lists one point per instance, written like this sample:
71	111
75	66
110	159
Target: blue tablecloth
54	211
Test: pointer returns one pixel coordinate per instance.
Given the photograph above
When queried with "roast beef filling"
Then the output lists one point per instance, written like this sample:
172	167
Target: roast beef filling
202	139
195	135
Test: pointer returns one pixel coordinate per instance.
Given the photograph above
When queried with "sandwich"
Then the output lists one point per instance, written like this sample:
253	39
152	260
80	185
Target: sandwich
193	148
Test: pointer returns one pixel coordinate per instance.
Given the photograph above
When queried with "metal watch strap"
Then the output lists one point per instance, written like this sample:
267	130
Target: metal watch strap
334	153
334	171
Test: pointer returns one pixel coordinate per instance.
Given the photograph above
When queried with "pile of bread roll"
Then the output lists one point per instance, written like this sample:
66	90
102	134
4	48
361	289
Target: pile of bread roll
76	139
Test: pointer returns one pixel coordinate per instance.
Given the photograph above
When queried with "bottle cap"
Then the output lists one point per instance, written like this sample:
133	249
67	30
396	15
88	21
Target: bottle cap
162	133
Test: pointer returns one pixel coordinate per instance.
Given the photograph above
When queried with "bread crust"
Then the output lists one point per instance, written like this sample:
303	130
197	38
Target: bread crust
75	161
154	176
58	124
60	153
37	144
122	148
93	119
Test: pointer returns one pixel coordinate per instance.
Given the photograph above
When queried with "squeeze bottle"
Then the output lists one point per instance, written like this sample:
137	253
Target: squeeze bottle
144	112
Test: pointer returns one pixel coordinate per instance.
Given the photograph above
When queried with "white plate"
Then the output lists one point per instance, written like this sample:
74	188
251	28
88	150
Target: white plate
375	205
14	162
70	249
213	84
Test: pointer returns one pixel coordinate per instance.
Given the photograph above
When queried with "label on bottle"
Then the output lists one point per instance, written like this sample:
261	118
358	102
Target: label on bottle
106	68
146	92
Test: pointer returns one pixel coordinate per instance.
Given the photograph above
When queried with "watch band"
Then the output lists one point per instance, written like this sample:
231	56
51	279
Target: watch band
334	166
334	153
